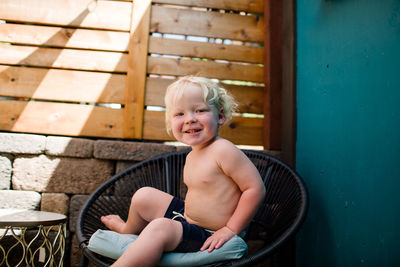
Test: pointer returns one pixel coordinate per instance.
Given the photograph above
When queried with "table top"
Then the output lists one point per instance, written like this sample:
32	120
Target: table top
27	218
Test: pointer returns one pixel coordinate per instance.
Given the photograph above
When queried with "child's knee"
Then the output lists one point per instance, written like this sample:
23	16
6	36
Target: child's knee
165	232
163	225
142	195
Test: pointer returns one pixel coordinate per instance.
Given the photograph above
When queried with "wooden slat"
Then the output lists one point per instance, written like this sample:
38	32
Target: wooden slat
62	85
113	15
211	69
60	119
209	24
155	91
239	131
64	37
154	126
252	6
250	97
206	50
137	65
243	131
63	58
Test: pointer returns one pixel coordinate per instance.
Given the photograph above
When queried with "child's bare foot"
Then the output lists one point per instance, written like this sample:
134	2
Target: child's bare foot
114	223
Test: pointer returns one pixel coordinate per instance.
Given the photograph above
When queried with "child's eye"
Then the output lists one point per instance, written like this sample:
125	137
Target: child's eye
201	110
179	114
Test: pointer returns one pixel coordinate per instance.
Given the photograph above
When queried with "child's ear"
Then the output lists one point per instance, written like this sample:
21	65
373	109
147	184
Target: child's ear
221	117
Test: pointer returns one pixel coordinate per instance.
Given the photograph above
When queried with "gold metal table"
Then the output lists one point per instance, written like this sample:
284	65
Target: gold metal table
32	238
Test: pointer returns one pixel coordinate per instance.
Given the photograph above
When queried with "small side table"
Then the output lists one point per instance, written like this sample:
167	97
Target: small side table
32	238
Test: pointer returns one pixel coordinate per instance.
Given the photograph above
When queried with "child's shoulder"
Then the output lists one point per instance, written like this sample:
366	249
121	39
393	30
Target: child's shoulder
224	146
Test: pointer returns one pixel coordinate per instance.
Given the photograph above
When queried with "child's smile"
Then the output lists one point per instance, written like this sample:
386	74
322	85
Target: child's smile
192	131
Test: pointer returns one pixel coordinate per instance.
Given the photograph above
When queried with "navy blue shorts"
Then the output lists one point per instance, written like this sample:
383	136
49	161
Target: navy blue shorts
193	236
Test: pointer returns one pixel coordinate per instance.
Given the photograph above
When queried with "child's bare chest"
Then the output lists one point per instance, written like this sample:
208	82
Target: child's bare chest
205	173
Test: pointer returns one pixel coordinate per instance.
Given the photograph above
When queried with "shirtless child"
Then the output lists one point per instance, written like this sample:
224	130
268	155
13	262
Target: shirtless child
224	187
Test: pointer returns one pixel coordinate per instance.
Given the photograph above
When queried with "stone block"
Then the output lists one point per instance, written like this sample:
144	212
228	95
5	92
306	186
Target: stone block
181	148
69	147
77	202
55	202
123	165
14	199
122	150
22	143
60	175
76	254
5	173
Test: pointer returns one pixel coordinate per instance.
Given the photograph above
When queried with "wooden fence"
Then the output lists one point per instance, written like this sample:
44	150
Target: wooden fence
100	68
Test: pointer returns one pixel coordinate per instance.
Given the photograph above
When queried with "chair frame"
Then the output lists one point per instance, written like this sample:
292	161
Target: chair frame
277	221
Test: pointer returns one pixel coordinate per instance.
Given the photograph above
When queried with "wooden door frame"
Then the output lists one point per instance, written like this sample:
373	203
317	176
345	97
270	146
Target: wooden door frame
289	102
280	78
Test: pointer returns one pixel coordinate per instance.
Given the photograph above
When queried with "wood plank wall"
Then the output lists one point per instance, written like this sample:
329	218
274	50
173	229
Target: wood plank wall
100	68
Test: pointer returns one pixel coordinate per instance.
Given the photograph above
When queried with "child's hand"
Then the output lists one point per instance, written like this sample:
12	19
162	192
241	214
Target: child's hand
217	239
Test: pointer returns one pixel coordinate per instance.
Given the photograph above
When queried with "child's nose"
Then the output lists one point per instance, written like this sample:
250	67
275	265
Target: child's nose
190	117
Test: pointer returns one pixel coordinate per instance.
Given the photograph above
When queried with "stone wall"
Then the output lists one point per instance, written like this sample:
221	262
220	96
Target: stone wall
53	173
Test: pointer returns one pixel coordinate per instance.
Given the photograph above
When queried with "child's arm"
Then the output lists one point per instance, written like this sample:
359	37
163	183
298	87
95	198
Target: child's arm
246	176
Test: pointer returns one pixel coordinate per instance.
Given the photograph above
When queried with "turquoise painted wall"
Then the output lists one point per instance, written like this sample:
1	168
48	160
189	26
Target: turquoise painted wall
348	135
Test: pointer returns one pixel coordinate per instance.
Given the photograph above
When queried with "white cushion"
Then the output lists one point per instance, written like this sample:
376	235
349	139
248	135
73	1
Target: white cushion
113	245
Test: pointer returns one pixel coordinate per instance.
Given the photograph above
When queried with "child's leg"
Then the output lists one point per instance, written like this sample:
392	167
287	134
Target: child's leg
147	204
160	235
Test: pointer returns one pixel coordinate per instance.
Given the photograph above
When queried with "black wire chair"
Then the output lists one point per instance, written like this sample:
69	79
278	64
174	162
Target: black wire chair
276	222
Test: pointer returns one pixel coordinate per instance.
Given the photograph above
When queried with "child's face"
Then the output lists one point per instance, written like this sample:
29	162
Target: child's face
194	122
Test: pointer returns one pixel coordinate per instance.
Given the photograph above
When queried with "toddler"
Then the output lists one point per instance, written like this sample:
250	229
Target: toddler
224	187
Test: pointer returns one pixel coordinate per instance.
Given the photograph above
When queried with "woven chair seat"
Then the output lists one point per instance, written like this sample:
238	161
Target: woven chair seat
277	221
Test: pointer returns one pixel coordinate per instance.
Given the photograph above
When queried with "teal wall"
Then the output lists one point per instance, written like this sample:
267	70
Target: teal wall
348	131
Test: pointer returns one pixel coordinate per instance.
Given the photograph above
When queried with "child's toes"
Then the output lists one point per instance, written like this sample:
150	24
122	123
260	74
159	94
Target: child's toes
106	218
